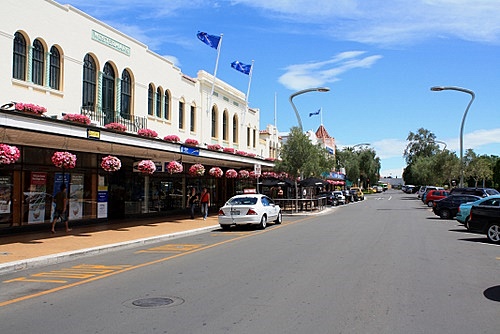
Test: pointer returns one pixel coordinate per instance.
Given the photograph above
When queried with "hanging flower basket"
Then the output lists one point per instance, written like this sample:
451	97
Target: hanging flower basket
8	154
30	108
243	174
172	138
231	174
77	118
216	172
116	126
64	160
111	163
174	167
191	142
146	167
147	133
197	170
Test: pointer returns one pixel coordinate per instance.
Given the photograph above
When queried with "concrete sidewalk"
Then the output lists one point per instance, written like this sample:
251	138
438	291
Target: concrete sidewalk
31	249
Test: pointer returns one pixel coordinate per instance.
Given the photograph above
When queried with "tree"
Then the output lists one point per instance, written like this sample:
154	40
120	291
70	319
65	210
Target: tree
421	144
477	167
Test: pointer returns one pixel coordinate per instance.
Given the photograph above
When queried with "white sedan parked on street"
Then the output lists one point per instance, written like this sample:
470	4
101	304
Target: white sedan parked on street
253	209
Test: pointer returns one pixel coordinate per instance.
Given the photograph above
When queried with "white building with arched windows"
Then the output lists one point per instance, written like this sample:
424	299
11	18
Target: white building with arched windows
77	67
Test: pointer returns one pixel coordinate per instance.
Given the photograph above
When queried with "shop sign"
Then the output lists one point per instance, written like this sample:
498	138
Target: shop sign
190	150
93	134
108	41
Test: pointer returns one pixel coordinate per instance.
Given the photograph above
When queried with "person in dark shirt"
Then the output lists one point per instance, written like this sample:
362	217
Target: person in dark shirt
61	210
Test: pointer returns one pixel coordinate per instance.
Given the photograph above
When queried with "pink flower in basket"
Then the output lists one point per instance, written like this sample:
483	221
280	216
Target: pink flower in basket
32	108
8	154
191	142
243	174
197	170
77	118
111	163
146	167
241	153
269	175
172	138
116	127
251	155
216	172
228	150
231	174
174	167
64	160
147	133
253	175
214	147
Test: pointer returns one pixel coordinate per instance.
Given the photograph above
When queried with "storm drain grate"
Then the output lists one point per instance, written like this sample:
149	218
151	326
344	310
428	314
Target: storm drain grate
155	302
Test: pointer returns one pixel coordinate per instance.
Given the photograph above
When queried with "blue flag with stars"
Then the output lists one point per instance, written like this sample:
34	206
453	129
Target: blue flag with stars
314	113
210	40
243	68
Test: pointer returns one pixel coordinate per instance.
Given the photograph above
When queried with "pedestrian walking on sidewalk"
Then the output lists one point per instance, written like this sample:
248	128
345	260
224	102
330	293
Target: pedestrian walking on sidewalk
205	203
192	200
61	210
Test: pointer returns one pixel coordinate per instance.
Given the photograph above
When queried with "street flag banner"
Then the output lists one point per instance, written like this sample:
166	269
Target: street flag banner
314	113
210	40
243	68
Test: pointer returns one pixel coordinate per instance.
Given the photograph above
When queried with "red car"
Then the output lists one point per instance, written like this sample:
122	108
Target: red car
435	195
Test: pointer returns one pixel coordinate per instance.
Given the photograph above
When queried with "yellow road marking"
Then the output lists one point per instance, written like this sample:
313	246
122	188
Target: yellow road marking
130	267
171	248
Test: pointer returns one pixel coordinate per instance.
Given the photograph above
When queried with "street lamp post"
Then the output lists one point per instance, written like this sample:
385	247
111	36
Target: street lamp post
468	91
318	89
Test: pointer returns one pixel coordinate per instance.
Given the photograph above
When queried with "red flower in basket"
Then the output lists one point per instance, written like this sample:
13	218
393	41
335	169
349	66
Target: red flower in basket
216	172
231	174
116	126
77	118
197	170
147	133
64	160
111	163
244	174
191	142
146	167
214	147
228	149
29	107
8	154
172	138
174	167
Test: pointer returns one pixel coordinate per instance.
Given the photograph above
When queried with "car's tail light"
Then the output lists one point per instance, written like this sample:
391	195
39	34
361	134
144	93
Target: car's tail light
251	212
221	213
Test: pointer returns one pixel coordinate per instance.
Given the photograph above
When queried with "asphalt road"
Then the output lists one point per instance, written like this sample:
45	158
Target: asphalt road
384	265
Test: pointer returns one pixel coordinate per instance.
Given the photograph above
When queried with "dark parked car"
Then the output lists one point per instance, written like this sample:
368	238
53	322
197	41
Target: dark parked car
447	207
483	192
485	218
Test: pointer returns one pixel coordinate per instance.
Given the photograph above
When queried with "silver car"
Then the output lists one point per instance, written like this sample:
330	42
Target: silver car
249	209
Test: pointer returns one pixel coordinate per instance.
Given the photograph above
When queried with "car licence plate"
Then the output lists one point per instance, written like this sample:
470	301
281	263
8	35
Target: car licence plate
235	212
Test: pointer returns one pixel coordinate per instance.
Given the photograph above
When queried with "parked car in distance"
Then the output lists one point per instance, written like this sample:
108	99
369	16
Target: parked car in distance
463	213
483	192
378	189
448	207
423	190
254	209
339	195
357	194
435	195
485	218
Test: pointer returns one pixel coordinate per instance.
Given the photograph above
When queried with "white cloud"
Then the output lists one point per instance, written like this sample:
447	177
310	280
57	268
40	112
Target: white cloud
313	74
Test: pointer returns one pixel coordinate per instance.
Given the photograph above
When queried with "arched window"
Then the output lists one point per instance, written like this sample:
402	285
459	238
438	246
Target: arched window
225	125
108	91
235	129
192	120
181	114
19	57
37	65
151	95
214	122
89	83
55	69
166	105
126	97
158	102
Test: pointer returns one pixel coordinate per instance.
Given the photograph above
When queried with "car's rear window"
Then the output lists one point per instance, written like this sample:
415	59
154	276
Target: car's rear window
491	191
243	201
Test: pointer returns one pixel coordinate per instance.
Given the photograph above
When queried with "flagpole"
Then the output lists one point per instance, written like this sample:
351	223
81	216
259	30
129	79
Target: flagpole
248	92
215	74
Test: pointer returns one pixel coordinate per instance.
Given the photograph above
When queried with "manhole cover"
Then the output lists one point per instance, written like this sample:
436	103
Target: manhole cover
152	302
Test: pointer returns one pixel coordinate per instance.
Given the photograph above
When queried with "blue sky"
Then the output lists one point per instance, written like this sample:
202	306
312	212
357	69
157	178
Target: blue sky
379	59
